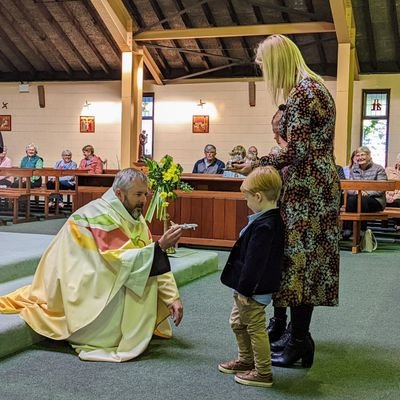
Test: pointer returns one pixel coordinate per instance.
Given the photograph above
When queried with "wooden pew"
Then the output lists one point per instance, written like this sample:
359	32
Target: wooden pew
17	196
48	173
358	216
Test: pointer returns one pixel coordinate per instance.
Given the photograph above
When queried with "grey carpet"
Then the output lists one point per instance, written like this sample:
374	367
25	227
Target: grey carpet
357	355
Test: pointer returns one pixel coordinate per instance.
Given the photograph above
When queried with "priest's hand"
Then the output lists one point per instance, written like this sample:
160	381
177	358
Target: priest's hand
170	237
176	311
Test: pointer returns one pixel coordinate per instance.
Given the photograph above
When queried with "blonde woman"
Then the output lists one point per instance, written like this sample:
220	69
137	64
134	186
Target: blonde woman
311	192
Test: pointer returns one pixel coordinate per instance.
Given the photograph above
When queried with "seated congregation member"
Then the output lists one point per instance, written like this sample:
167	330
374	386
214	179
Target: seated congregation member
371	201
5	162
393	197
252	153
210	163
340	172
103	284
66	182
90	161
236	155
253	271
349	167
31	160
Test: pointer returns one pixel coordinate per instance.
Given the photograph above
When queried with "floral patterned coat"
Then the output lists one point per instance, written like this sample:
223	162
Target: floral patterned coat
310	198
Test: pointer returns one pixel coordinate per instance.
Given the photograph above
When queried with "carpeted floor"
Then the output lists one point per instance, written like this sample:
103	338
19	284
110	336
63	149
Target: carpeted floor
357	350
357	355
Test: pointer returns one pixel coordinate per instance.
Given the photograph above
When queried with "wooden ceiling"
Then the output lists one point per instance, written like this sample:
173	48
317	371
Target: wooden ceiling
71	40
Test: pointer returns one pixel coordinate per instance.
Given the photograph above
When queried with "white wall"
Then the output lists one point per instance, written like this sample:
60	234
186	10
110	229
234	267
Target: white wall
387	81
232	120
56	127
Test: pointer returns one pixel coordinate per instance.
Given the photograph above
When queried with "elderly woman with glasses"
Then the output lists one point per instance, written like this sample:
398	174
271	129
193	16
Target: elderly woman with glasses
66	182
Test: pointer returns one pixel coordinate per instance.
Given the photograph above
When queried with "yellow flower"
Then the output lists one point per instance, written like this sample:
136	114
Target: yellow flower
167	176
163	195
165	204
170	194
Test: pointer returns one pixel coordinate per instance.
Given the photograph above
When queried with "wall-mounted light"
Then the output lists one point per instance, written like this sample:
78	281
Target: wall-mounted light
23	87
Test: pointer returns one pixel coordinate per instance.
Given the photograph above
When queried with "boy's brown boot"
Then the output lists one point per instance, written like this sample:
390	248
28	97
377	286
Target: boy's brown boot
234	366
252	378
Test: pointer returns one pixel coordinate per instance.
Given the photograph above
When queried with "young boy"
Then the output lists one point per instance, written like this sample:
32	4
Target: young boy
253	270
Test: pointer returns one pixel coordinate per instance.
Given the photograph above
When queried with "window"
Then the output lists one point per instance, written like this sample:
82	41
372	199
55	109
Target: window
148	123
375	123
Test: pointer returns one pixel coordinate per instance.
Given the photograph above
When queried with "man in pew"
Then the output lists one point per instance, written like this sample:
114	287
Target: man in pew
5	162
103	284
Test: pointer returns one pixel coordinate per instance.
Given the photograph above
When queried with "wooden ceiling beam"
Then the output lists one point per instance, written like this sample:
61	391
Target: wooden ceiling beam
343	17
60	31
237	31
14	25
152	66
182	11
196	52
284	9
394	23
45	38
120	24
205	72
15	50
116	22
160	15
188	23
85	36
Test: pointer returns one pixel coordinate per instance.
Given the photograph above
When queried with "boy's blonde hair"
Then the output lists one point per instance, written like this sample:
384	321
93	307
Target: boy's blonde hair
283	65
263	179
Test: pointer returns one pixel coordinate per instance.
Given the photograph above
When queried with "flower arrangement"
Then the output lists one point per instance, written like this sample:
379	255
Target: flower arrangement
165	178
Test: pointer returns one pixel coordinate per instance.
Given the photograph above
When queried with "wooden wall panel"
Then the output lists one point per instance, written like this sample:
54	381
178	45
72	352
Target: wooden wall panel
207	219
219	218
230	220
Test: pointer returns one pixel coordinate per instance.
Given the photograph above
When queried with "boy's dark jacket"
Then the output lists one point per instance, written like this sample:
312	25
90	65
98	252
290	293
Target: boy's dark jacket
254	265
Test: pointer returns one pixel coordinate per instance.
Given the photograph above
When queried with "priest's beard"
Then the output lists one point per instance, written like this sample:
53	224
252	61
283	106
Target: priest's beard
135	210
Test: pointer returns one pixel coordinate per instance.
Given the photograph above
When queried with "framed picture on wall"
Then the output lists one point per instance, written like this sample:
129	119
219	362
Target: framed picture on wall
5	122
86	124
200	124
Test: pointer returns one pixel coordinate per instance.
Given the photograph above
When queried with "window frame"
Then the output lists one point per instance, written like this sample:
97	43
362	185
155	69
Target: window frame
364	117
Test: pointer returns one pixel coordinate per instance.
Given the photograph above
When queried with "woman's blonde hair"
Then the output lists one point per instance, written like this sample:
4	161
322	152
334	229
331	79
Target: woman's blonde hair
363	149
263	179
283	65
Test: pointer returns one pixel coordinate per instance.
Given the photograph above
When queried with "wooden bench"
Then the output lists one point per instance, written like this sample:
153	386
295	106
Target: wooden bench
359	216
16	196
392	212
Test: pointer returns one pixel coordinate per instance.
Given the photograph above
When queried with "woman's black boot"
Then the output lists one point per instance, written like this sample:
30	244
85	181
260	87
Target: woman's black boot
280	344
276	328
296	350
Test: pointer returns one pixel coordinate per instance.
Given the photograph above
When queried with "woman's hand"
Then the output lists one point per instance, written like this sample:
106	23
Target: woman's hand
242	168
